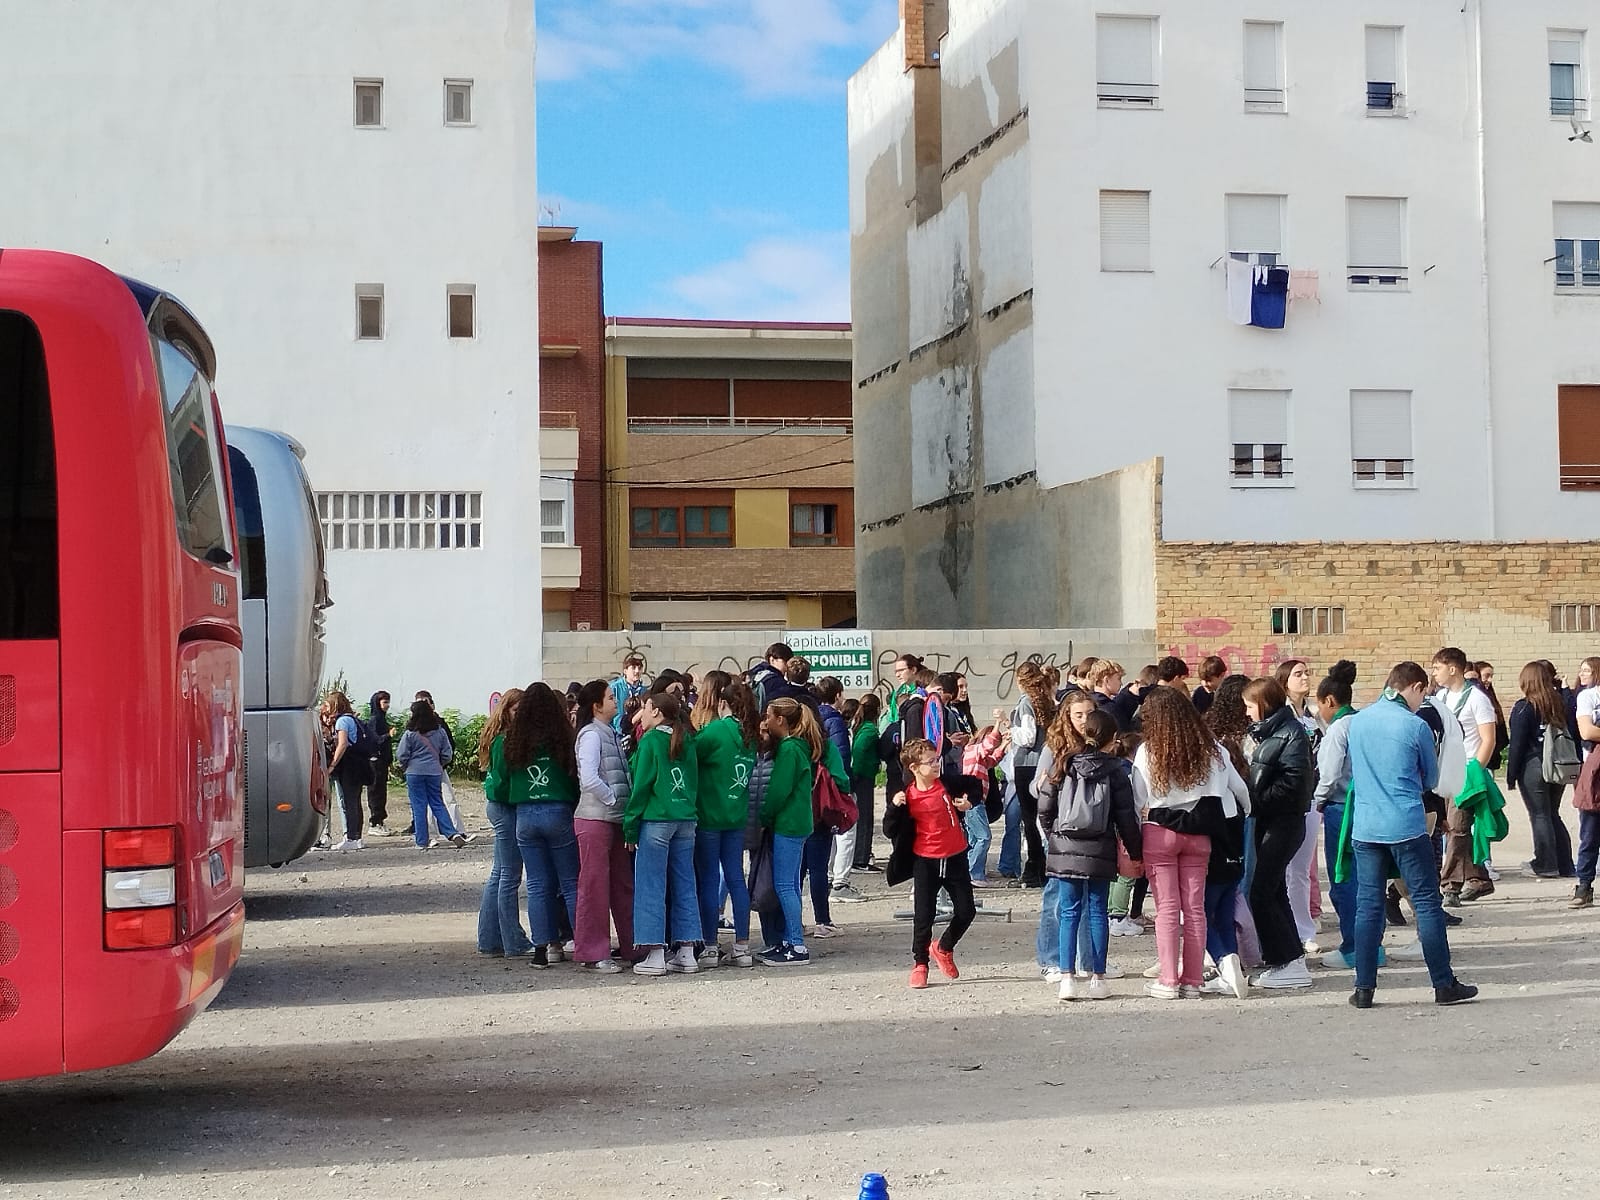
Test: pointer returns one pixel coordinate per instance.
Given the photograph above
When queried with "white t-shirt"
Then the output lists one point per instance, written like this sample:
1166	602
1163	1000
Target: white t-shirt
1589	706
1472	711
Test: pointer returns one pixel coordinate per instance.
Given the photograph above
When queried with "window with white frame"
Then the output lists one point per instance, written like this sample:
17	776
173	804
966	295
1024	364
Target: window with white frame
458	102
1125	231
1577	256
1569	90
555	510
1127	52
461	310
1380	439
1312	621
1386	86
369	103
369	312
1377	228
1255	228
1258	428
1264	89
401	520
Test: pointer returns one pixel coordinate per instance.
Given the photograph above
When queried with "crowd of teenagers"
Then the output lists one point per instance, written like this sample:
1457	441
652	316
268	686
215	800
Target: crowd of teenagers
672	811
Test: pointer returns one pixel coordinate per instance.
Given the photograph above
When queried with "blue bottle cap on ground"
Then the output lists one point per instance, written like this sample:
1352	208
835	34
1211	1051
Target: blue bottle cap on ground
874	1187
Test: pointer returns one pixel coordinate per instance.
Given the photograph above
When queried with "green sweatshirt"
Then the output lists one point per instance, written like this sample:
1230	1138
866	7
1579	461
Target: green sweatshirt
864	752
541	783
664	789
725	762
787	806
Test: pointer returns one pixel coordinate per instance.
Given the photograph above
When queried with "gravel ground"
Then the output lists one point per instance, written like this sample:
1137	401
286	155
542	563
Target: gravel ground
363	1048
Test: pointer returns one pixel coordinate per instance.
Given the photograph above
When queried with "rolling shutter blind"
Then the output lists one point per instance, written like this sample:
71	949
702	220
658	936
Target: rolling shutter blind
1383	54
1262	60
1566	49
1124	231
1377	232
1255	224
1127	49
1577	222
1258	418
1380	425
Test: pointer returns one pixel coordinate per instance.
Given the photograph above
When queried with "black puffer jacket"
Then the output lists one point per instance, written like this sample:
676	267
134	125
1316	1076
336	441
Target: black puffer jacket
1092	857
1282	779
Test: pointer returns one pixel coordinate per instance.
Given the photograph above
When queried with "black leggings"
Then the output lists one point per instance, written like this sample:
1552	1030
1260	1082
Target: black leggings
1033	867
927	874
1278	839
866	793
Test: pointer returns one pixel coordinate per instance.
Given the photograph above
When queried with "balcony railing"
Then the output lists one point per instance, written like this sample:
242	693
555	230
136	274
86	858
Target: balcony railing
1383	472
1265	100
1580	476
1127	95
721	424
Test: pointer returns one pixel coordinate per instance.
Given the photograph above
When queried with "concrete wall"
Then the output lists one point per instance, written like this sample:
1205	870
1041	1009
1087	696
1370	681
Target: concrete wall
210	149
989	658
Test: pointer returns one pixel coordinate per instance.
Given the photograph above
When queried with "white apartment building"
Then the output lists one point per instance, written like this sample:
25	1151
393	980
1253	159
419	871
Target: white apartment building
1046	198
343	191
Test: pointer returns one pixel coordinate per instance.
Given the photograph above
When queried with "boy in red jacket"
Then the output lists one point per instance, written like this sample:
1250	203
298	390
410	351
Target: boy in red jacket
927	821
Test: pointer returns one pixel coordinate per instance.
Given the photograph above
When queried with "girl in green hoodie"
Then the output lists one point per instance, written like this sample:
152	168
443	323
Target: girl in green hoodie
726	751
787	811
660	824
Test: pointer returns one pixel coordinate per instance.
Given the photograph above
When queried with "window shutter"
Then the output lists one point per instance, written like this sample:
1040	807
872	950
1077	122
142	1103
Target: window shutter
1258	417
1124	231
1255	224
1263	61
1577	222
1383	54
1127	50
1377	232
1380	425
1566	48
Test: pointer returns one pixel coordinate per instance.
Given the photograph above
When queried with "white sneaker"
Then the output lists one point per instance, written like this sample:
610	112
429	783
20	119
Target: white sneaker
569	948
683	961
1098	989
1230	972
1493	874
606	966
1217	987
1157	990
1311	948
739	955
350	844
654	963
1126	927
1068	989
557	953
1113	971
1288	976
378	831
1153	972
710	957
1408	952
1052	974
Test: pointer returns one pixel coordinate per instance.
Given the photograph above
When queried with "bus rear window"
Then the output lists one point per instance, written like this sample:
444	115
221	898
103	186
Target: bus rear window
192	457
252	537
30	596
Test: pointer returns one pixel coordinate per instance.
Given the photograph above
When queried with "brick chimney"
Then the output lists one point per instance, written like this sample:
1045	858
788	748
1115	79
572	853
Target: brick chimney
926	22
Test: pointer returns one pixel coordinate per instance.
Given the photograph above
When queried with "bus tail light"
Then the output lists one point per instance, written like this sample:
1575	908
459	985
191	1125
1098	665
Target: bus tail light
141	898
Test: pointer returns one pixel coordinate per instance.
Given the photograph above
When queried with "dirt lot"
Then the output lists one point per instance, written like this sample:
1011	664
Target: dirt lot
363	1048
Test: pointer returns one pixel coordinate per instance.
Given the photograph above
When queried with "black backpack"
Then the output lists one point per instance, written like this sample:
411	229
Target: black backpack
365	743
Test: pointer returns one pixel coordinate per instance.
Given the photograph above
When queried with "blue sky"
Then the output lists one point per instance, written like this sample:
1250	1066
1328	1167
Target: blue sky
703	141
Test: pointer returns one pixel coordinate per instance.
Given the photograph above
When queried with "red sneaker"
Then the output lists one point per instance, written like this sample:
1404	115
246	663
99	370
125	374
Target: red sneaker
945	959
919	976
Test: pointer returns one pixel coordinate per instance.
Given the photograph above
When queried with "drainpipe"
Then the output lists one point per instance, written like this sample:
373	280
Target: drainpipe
1480	109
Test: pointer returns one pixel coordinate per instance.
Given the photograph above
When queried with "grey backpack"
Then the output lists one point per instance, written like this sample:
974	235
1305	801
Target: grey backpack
1561	759
1084	810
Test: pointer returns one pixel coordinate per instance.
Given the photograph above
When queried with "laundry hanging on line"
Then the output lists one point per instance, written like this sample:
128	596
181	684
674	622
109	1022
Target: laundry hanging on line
1257	295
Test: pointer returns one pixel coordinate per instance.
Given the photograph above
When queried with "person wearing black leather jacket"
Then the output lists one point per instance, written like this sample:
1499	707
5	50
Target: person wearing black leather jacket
1282	783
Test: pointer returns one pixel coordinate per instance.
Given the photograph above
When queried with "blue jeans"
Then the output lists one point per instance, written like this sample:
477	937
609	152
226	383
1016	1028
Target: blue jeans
1010	864
1420	871
1048	942
719	867
1249	856
978	838
499	922
665	865
814	863
1588	847
549	850
426	793
784	925
1083	910
1343	895
1222	934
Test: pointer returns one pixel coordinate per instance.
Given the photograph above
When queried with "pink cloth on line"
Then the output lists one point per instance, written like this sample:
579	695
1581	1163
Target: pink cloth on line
1304	285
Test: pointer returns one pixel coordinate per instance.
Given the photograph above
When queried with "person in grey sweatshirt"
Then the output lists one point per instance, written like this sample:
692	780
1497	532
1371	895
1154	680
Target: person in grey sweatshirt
605	873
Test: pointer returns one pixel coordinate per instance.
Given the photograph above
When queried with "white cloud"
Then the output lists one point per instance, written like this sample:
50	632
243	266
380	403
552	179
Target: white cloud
773	48
797	278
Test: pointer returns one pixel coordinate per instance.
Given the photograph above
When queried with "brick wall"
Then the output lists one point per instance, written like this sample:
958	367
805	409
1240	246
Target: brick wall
571	313
708	571
1401	600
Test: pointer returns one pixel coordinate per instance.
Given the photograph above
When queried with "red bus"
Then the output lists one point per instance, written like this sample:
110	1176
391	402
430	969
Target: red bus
121	789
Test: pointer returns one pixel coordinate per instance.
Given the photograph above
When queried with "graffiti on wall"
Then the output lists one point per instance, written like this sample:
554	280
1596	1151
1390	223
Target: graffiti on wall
1213	635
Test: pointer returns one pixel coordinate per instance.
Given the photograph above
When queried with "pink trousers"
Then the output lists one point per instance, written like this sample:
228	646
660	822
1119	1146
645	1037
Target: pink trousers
1176	864
605	892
